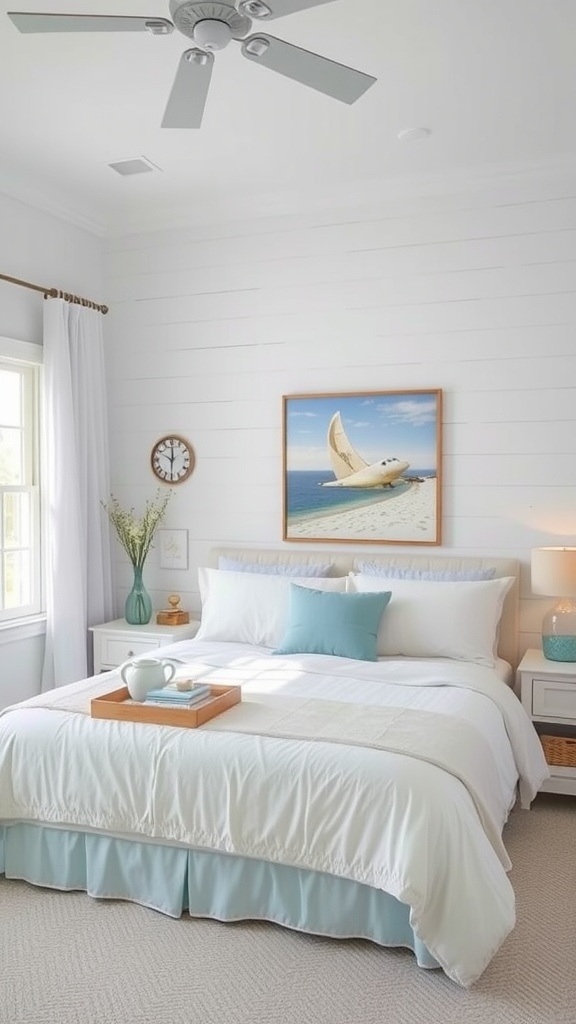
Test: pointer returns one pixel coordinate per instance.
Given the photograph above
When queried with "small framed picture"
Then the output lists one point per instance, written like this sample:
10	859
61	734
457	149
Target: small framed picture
173	549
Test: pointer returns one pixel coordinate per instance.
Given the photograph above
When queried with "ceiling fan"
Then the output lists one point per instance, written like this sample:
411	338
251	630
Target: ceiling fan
212	25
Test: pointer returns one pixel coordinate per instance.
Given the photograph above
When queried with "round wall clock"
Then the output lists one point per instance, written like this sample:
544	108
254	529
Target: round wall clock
172	459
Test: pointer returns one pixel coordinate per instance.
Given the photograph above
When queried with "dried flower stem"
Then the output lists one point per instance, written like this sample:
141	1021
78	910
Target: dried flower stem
136	534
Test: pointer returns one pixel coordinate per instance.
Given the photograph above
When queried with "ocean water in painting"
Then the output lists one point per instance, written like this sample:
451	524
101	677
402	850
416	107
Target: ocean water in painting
306	497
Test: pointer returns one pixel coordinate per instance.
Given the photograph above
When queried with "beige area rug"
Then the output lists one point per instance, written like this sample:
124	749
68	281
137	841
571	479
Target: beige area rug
68	959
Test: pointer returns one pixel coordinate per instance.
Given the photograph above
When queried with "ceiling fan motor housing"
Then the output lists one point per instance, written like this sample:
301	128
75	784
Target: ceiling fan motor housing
210	25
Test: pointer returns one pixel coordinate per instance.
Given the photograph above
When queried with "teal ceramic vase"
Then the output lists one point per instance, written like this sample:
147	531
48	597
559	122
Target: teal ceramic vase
138	607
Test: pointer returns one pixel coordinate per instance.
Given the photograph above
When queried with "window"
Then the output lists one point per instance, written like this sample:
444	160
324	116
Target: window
20	554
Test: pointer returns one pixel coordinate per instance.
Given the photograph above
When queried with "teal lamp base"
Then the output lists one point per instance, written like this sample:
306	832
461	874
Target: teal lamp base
559	648
559	632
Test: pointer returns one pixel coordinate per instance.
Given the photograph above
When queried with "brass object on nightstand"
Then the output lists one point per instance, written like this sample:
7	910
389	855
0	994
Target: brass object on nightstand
173	616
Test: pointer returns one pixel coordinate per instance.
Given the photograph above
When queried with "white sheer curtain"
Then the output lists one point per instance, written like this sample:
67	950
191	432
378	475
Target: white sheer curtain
76	479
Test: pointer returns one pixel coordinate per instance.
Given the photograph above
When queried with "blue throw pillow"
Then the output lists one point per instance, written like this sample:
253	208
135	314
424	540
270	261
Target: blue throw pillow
322	622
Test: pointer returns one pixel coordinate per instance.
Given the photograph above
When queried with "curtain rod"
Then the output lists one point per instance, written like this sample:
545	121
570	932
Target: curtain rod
55	293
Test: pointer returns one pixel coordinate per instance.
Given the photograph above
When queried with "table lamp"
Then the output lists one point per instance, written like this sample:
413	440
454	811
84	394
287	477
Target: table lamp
554	574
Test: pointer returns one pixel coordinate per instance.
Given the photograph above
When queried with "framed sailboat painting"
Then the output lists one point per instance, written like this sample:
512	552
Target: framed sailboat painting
363	467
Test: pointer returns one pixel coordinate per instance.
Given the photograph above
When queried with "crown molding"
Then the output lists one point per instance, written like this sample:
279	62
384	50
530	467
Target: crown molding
217	208
37	196
465	181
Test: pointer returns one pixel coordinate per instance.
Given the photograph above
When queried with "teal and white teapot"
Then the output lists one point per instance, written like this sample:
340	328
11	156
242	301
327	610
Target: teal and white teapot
145	674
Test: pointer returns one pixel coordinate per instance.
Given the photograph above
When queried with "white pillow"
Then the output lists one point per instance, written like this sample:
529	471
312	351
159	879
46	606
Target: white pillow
430	619
250	608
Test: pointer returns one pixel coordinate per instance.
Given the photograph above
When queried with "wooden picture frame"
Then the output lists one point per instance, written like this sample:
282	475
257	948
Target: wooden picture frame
363	467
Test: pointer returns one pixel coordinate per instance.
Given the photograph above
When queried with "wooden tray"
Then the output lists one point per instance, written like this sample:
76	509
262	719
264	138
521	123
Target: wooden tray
118	705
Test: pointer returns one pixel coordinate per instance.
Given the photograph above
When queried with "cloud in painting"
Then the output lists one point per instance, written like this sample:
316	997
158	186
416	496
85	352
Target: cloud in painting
416	413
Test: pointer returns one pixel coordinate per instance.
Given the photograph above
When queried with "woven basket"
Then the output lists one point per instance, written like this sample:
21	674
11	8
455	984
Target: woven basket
560	750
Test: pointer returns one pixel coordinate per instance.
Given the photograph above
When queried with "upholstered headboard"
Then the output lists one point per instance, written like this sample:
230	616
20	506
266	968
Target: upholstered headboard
345	562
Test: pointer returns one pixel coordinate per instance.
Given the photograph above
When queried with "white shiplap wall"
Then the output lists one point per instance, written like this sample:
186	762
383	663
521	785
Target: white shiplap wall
474	293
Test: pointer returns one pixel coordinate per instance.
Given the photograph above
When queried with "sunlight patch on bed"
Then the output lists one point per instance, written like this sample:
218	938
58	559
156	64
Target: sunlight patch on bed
253	674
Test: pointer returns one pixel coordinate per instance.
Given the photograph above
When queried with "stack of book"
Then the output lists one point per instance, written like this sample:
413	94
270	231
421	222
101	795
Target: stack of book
170	696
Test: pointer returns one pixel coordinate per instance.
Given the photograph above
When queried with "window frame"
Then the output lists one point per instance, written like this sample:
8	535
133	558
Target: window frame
27	358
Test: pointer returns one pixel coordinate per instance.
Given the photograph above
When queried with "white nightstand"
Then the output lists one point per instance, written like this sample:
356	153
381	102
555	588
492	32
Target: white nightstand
548	693
115	642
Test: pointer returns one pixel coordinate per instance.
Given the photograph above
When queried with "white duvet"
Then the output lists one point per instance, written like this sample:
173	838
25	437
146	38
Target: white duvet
407	790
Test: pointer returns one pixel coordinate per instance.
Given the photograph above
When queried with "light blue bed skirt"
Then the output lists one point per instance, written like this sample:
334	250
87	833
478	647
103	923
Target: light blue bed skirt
174	880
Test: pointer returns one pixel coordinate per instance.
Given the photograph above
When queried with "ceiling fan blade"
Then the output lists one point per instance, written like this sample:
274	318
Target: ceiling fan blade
276	8
187	99
26	22
336	80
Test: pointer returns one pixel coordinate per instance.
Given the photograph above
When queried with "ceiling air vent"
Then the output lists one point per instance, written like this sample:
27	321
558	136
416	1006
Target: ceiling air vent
137	165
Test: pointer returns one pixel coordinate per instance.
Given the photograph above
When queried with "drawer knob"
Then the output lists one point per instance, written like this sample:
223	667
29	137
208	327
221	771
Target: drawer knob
130	654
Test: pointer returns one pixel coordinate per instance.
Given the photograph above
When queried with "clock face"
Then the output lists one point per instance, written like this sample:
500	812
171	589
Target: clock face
172	459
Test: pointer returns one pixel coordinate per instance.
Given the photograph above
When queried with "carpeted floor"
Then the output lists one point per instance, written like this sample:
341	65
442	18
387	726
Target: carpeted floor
67	959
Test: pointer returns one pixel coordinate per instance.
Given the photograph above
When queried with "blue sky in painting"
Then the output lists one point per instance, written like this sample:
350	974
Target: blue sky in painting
378	426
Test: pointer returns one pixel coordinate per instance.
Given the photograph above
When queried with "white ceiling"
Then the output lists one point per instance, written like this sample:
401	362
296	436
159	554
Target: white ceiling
493	80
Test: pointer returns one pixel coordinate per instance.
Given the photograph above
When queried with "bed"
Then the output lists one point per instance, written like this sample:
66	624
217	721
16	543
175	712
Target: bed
360	789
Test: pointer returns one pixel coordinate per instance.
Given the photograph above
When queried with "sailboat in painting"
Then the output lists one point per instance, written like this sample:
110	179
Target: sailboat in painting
350	469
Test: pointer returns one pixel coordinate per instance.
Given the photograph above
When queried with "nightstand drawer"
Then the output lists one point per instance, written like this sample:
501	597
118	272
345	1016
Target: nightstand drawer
552	699
116	651
118	641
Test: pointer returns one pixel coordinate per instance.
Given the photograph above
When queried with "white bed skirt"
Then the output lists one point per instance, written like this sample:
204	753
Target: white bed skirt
174	880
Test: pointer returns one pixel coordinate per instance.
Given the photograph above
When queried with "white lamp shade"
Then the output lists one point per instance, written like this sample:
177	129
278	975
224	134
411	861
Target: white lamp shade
554	571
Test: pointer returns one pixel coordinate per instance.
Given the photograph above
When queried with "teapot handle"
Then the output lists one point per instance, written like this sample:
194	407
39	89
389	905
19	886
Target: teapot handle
124	667
167	663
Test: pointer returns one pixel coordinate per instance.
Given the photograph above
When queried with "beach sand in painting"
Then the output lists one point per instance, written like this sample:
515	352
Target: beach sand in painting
409	517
